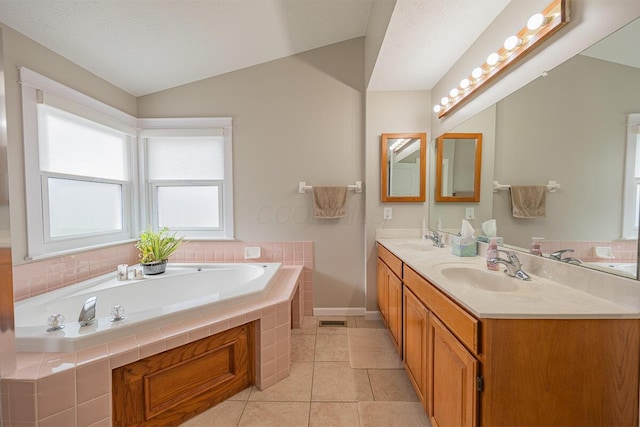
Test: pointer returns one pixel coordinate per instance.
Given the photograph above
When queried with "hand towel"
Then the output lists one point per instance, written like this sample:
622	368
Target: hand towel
528	201
329	202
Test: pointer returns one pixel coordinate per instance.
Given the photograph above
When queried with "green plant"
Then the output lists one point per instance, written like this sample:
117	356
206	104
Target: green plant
156	246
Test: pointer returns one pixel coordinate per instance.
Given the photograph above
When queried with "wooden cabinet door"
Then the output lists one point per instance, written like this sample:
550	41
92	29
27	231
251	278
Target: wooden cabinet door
453	379
415	321
394	309
383	290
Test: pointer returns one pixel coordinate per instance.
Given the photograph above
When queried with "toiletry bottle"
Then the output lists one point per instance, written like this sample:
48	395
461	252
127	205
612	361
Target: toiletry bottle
535	246
492	252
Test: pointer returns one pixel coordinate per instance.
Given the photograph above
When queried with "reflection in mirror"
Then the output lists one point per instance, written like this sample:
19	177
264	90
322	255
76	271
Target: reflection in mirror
403	167
571	125
458	166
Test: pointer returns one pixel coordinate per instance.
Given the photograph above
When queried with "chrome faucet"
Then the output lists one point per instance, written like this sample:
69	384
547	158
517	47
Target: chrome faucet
436	238
557	255
88	312
514	268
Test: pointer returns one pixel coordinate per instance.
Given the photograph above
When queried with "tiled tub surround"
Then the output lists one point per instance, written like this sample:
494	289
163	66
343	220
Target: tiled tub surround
38	277
624	251
53	389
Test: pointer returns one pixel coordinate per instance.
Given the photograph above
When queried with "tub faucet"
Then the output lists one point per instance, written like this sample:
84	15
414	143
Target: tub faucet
436	238
88	312
514	268
557	255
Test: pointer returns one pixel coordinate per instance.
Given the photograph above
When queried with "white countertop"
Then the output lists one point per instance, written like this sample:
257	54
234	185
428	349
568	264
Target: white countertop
557	290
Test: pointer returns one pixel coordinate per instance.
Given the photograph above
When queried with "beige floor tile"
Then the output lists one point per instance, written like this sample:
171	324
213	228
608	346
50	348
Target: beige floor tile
243	395
384	414
332	330
391	385
275	414
224	414
332	348
374	360
338	382
374	324
372	349
295	388
332	414
303	348
304	331
309	322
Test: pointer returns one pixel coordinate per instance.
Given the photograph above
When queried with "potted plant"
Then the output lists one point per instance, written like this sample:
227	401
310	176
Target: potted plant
155	248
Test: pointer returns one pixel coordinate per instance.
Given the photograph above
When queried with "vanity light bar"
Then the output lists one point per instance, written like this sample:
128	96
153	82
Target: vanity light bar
539	27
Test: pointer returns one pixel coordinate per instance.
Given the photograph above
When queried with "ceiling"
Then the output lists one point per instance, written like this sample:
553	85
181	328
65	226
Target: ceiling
144	46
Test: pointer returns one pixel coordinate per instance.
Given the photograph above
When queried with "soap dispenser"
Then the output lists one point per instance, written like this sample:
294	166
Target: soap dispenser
492	252
535	246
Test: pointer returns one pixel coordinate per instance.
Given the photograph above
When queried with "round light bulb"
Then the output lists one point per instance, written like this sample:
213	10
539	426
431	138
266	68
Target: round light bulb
493	59
437	108
535	21
465	83
477	72
445	100
454	92
512	42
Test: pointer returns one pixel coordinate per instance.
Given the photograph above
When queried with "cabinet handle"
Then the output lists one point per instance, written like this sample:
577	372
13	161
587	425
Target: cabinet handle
479	383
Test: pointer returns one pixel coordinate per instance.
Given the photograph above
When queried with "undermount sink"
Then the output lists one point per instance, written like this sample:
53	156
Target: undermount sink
480	279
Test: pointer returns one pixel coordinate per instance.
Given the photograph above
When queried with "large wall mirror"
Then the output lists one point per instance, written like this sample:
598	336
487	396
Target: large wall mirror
458	166
403	167
570	125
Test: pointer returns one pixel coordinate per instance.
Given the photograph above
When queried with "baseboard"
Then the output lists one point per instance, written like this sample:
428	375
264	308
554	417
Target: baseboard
339	311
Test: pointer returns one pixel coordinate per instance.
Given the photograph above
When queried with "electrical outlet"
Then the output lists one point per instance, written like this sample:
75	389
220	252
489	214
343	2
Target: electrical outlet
387	213
469	214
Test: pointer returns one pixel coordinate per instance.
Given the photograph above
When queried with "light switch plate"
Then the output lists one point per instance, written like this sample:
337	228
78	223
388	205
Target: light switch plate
470	213
387	213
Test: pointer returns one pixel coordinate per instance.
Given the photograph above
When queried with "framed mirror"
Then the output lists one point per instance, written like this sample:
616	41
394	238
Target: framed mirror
403	167
458	166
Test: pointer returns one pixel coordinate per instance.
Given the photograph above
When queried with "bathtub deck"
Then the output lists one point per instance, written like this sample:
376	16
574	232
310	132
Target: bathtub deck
75	388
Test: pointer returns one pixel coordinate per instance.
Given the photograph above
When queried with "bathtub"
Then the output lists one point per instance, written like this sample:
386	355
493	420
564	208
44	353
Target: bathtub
627	269
184	291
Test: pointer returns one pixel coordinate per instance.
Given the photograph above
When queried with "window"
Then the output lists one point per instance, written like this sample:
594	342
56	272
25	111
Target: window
631	201
96	176
79	163
188	176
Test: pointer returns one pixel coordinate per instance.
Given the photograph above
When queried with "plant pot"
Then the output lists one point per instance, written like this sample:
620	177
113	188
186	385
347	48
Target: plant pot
152	268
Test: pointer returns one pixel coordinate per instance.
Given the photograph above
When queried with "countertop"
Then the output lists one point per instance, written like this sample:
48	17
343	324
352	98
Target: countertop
556	291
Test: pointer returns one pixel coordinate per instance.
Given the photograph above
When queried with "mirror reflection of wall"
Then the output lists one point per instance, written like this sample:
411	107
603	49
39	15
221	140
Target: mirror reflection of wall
402	167
458	167
571	126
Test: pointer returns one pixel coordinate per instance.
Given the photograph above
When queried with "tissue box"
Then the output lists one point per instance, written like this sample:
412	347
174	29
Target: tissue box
464	246
487	239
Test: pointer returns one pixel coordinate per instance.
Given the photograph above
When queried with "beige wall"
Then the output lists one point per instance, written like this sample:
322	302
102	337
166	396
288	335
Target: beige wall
570	127
22	51
295	119
390	112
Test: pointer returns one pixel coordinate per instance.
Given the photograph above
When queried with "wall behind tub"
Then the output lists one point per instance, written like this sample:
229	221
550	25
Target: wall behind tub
299	118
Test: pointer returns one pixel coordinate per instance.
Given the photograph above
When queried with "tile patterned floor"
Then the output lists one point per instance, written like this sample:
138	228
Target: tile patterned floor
340	377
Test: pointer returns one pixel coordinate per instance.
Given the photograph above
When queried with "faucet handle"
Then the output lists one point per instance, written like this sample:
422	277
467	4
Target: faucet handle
558	254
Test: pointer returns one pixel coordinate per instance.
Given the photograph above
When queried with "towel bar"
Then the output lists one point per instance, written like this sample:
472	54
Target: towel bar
303	187
552	186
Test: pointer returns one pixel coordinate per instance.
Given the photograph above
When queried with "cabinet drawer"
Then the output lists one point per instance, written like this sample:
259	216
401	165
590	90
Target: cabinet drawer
394	263
460	323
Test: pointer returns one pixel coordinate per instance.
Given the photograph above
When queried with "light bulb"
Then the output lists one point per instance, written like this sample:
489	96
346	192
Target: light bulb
512	42
465	83
445	100
437	108
493	59
535	22
454	92
477	72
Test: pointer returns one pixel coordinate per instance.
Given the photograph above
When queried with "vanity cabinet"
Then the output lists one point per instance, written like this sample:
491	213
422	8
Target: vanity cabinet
444	339
389	288
415	322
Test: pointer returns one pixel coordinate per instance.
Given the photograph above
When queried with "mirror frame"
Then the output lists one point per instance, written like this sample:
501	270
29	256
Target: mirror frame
478	164
384	172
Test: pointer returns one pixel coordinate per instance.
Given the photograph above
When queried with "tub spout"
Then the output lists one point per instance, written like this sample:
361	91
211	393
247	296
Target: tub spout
88	312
